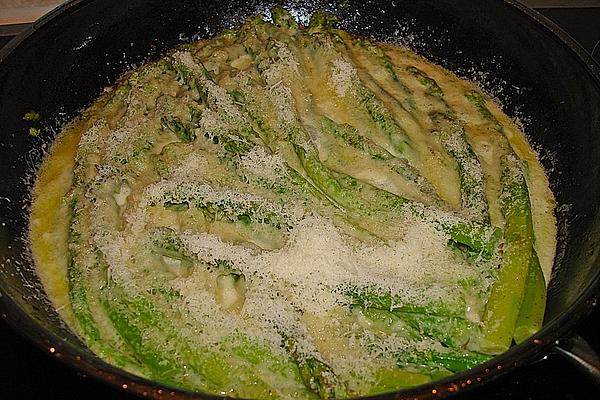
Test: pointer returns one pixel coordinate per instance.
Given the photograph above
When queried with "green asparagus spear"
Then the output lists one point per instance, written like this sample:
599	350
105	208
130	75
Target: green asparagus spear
374	299
366	147
452	138
81	295
186	76
531	312
506	297
282	18
451	331
321	21
162	367
479	239
315	373
383	59
430	84
183	132
172	359
387	125
386	380
76	271
454	332
479	103
272	366
450	359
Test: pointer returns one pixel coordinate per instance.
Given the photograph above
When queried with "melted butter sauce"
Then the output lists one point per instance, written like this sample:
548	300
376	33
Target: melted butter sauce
49	221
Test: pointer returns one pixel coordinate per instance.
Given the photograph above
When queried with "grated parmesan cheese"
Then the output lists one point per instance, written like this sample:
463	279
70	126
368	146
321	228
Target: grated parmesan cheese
343	76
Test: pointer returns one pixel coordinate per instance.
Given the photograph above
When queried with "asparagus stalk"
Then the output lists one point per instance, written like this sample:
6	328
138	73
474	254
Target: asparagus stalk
353	139
374	116
531	312
372	299
431	86
272	366
80	295
472	185
479	239
117	104
452	137
454	332
506	297
452	359
169	247
372	58
386	380
478	101
321	21
315	373
133	327
217	206
174	360
448	130
186	76
282	18
451	331
386	123
324	179
375	52
183	132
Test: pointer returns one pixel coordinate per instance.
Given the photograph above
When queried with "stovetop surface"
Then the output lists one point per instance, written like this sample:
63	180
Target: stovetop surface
28	373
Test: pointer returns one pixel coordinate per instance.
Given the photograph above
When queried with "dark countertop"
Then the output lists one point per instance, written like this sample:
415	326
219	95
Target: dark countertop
28	373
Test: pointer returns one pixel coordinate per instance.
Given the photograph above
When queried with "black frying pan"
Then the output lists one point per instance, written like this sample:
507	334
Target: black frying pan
540	75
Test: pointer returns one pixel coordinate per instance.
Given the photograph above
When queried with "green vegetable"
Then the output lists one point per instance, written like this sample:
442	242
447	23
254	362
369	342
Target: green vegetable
416	326
452	137
387	125
450	359
316	374
479	103
185	133
451	331
81	268
372	298
386	380
506	297
531	312
159	344
282	18
430	84
352	138
321	21
375	51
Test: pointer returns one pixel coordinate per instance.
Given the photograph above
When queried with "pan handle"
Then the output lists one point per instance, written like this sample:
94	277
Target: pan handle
581	355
